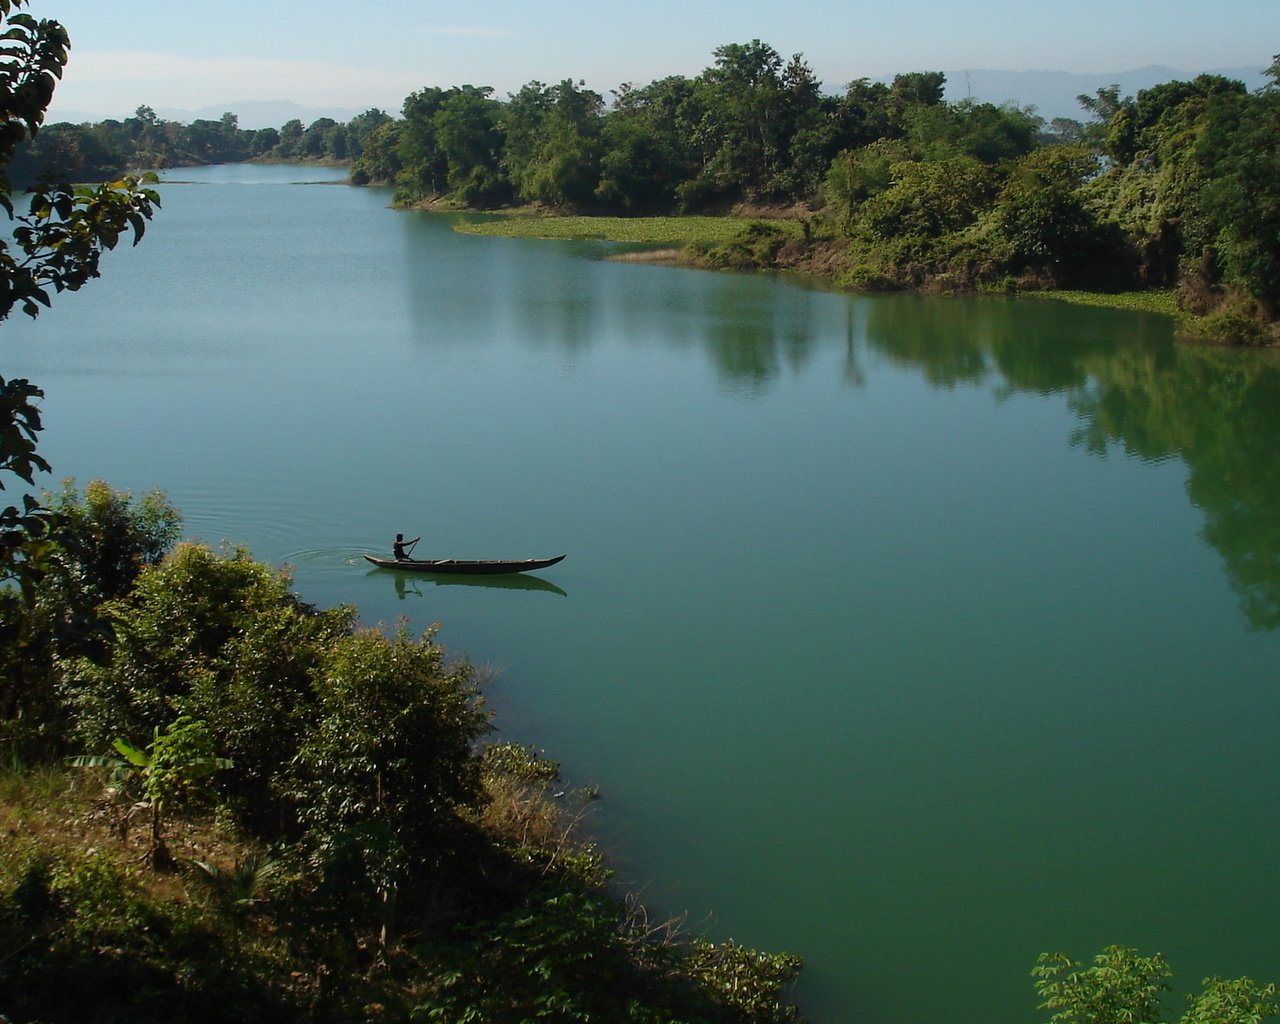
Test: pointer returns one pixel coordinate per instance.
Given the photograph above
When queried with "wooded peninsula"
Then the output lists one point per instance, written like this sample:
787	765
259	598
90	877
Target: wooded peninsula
881	186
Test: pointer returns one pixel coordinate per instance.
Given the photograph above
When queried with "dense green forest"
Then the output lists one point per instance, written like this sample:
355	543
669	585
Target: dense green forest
1178	188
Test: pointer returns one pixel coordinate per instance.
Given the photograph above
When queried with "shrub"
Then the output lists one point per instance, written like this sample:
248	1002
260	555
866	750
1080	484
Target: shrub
755	247
389	759
101	543
107	538
1121	987
1228	327
172	633
91	944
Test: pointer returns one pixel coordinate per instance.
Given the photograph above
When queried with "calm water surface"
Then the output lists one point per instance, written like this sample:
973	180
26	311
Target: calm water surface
915	636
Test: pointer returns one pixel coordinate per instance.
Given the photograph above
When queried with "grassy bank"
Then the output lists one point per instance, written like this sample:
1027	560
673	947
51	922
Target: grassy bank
1220	328
664	231
728	242
89	931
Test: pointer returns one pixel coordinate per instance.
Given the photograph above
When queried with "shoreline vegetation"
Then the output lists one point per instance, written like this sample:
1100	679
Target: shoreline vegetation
222	803
877	187
683	242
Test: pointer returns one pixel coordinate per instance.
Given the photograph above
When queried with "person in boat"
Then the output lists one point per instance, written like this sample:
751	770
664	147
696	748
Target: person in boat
398	548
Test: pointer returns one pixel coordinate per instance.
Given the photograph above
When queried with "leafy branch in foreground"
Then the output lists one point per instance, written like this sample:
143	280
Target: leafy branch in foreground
54	245
1121	987
60	237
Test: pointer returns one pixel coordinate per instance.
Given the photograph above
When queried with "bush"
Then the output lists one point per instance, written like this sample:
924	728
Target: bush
101	543
173	633
1121	987
107	538
390	757
1228	327
566	955
755	247
90	944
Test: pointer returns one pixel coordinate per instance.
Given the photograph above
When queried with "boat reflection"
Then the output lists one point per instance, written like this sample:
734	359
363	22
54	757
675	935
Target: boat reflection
407	584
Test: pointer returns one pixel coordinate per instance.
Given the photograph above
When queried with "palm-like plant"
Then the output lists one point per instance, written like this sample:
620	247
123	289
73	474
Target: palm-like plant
170	769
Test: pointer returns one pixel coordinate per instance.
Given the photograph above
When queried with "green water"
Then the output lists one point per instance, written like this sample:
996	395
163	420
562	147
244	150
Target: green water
913	635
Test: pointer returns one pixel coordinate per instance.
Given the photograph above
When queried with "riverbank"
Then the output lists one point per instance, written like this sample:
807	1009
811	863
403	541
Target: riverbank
787	244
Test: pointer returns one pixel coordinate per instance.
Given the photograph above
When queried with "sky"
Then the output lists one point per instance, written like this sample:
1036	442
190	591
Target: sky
191	54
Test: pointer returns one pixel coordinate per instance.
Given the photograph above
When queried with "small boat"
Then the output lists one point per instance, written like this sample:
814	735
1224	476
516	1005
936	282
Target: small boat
492	567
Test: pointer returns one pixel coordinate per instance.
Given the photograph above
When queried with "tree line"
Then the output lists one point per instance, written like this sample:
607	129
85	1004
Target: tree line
99	152
750	127
1178	187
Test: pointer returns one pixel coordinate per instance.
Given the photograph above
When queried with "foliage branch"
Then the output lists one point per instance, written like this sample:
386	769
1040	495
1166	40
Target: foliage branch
54	245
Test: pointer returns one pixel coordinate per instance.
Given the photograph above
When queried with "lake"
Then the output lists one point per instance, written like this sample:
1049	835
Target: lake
913	635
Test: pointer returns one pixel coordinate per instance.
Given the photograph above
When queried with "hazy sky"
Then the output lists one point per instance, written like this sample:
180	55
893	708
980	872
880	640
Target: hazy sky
362	53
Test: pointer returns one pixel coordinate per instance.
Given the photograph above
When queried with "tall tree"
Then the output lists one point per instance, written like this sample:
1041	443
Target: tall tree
740	128
379	159
554	142
1241	200
470	141
291	138
423	167
450	142
647	147
862	114
361	127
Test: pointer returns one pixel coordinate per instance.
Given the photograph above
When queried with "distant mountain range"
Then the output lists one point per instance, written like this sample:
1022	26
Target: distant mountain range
1052	93
252	114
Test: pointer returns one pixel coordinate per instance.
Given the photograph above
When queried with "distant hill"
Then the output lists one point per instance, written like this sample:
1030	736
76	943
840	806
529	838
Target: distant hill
252	114
1053	93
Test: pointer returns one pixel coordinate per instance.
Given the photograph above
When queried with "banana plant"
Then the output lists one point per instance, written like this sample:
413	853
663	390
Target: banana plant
172	768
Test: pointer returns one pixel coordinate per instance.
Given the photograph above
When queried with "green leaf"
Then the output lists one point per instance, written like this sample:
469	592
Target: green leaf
132	754
94	761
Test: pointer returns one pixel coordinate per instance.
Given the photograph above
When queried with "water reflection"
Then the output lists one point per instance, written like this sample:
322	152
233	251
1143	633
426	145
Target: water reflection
1129	384
1219	412
549	302
1017	345
1133	388
407	586
466	290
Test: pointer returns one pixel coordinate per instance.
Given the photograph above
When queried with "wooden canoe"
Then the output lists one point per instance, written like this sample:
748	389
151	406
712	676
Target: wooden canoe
492	567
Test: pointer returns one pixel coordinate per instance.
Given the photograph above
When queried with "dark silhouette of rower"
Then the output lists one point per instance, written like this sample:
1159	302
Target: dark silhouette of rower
398	548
